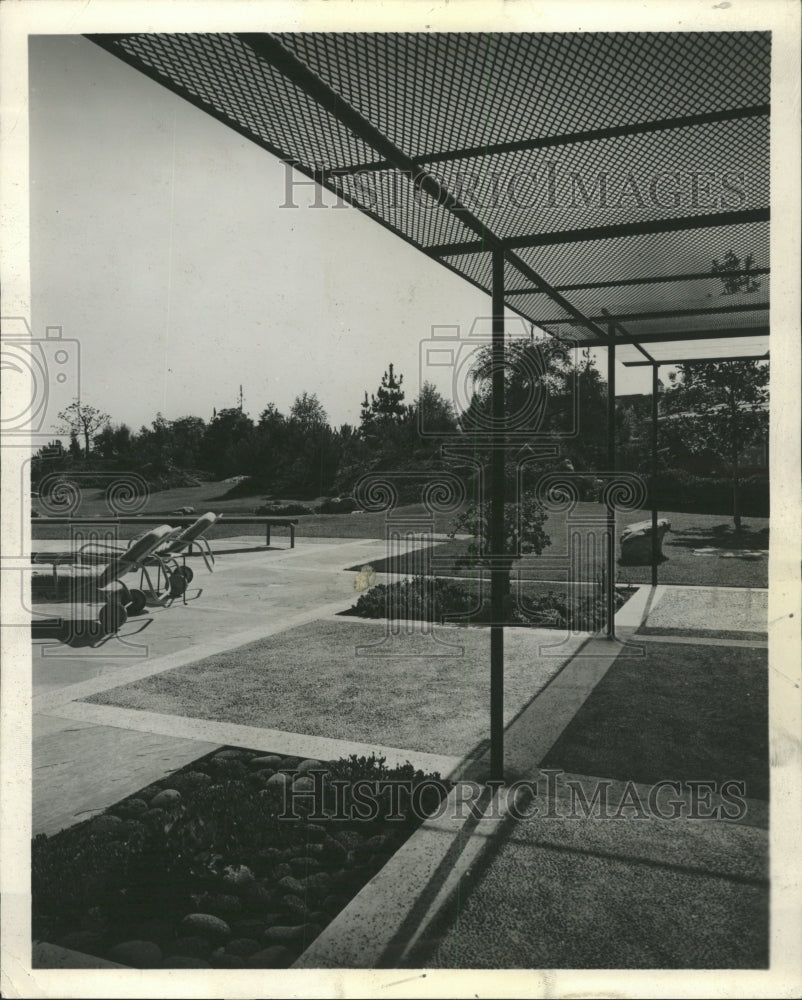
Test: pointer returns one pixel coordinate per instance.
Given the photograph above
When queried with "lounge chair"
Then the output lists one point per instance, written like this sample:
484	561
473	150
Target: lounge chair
102	583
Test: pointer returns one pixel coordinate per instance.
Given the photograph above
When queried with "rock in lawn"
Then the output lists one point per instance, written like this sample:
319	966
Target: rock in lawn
275	957
206	925
137	954
636	542
167	799
271	761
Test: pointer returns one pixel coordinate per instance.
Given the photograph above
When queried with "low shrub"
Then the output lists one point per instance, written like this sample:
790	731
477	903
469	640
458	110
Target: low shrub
676	489
278	509
337	505
438	600
420	599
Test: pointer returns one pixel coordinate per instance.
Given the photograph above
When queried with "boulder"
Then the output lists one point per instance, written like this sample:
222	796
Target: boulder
271	760
137	954
636	542
309	765
206	925
242	947
167	799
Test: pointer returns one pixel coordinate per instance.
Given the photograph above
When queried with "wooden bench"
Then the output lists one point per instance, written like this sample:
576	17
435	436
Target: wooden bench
183	520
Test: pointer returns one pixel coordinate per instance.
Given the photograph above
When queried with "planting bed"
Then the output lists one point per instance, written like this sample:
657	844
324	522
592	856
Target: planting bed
463	602
199	870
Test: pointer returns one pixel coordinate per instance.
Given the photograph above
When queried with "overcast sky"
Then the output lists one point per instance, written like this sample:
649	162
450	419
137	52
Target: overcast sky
158	242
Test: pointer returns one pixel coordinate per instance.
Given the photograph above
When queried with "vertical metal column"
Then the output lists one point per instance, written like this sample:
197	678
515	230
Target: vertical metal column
610	554
497	582
655	546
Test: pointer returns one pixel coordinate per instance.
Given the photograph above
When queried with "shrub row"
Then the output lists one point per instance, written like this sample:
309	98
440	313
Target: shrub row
438	600
675	489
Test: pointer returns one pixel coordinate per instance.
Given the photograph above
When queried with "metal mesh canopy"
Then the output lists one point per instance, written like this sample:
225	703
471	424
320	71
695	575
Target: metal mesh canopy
624	175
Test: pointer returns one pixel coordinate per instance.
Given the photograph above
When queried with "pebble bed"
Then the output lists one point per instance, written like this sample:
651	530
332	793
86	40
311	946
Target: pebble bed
229	915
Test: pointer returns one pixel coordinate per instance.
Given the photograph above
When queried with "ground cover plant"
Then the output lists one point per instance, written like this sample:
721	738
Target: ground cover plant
203	870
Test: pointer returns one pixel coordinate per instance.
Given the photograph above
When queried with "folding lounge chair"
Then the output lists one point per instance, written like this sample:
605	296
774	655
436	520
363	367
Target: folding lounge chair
103	583
192	538
165	558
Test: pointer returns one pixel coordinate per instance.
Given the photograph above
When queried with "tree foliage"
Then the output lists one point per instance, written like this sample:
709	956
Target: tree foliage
720	407
82	419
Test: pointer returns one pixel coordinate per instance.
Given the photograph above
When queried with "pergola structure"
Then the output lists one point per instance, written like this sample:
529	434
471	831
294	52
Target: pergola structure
610	188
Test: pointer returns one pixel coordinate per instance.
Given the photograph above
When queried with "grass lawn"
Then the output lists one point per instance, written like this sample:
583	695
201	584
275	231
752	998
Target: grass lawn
731	564
309	680
211	496
741	565
681	712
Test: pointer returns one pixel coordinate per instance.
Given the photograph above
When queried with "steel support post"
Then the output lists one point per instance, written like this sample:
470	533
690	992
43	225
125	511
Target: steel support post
610	554
655	544
497	572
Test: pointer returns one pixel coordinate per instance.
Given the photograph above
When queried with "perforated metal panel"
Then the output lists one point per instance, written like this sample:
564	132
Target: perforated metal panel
629	161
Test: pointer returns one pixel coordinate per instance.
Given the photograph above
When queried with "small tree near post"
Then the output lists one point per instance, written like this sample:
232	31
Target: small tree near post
721	407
